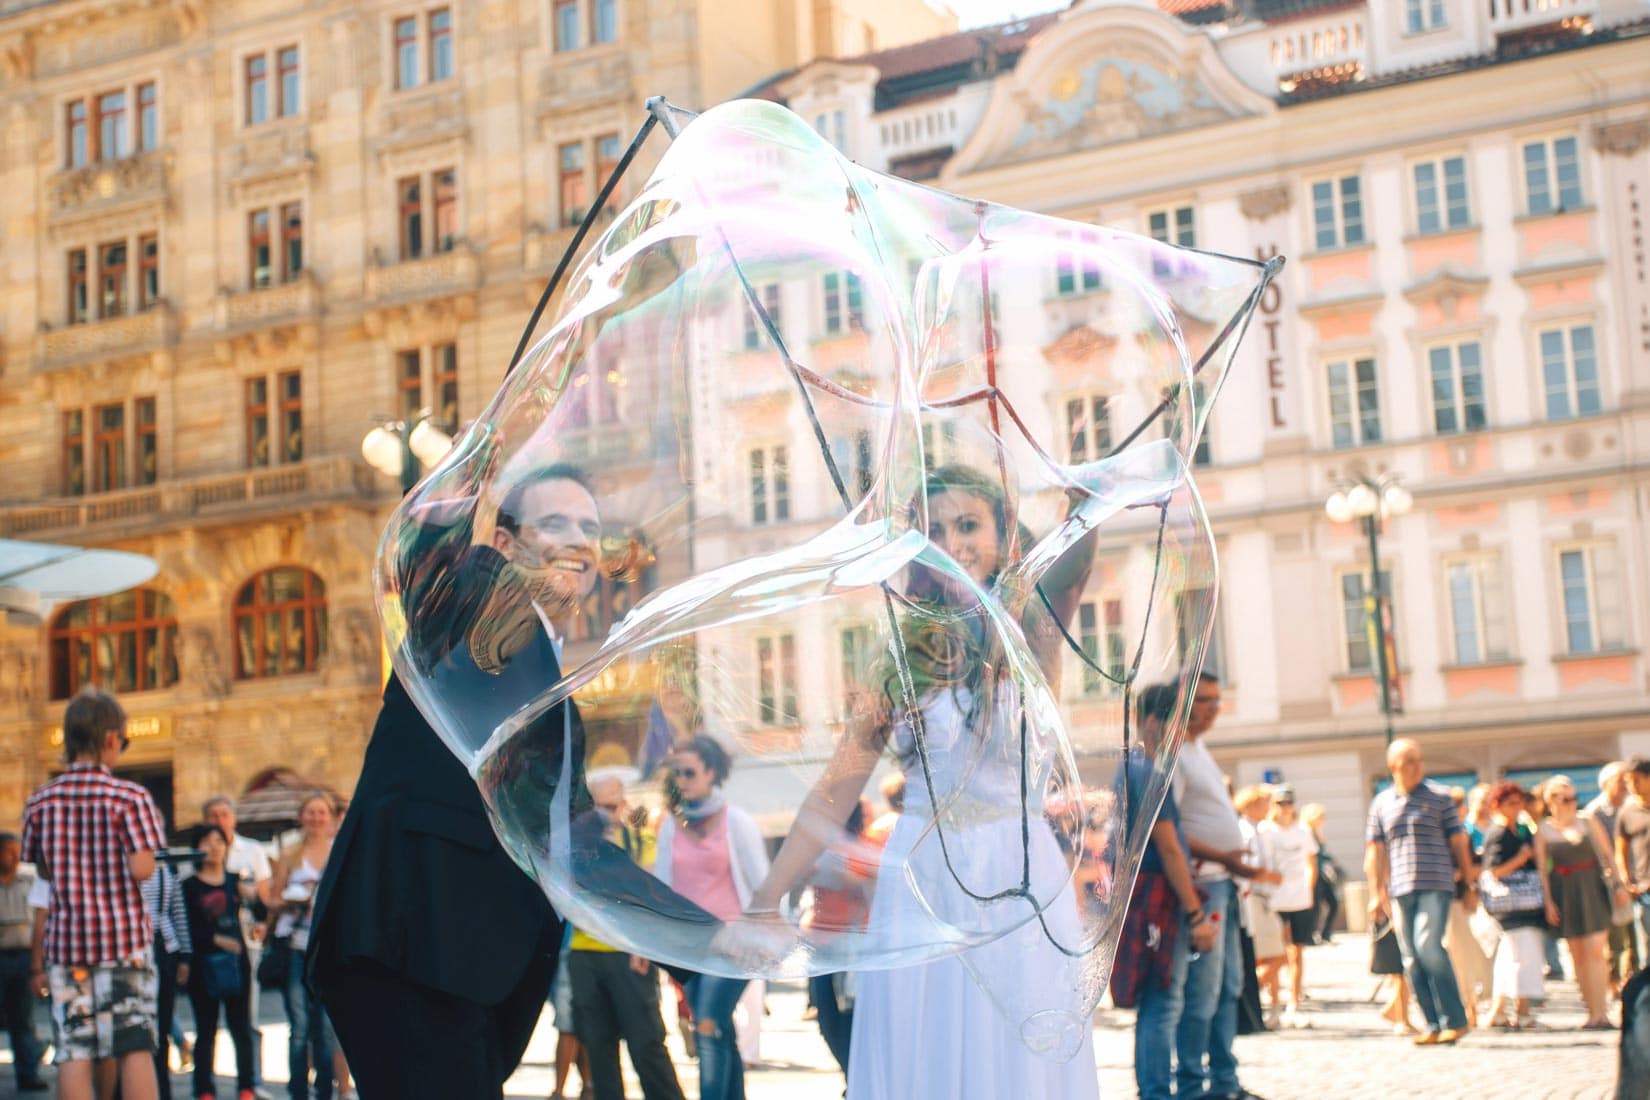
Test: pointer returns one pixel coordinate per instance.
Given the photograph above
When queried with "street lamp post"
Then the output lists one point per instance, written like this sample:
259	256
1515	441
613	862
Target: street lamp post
399	448
1371	500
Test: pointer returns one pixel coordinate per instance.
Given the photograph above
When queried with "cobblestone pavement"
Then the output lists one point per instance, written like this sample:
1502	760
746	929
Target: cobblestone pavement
1349	1052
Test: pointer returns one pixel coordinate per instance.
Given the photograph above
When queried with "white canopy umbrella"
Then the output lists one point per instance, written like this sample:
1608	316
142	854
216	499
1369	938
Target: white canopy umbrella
36	575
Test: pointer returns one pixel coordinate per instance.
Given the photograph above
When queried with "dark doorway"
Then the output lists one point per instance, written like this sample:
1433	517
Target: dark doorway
157	780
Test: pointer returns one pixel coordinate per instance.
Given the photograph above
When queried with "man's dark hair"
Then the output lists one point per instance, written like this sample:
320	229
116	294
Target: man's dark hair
1157	701
90	715
509	506
715	757
208	831
1638	764
9	838
1205	674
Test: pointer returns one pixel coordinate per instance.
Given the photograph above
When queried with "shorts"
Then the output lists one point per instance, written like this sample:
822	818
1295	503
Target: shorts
104	1010
1302	925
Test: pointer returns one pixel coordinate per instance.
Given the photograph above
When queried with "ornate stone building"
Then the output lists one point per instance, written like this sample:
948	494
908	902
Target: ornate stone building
236	237
1461	190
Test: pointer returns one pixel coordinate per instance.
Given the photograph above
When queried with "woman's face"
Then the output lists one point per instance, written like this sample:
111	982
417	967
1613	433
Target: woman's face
315	818
961	524
213	848
693	780
1510	807
1561	803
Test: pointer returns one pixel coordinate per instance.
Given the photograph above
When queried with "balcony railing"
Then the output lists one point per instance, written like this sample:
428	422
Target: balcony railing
1509	16
133	334
1337	44
193	500
917	129
455	271
267	307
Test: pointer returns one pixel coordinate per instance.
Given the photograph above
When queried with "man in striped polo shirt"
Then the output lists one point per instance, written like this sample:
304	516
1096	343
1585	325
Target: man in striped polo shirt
1415	850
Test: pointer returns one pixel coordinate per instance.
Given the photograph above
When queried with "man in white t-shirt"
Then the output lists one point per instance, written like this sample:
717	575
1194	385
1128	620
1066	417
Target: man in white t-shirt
246	860
1288	846
1207	1067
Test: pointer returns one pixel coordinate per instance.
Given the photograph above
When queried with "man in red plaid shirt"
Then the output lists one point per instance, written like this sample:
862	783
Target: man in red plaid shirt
94	837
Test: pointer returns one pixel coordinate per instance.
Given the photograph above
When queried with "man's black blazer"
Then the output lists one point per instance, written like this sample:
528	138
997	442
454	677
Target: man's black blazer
417	882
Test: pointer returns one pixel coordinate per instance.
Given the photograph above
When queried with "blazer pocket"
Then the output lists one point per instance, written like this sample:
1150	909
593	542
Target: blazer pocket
449	823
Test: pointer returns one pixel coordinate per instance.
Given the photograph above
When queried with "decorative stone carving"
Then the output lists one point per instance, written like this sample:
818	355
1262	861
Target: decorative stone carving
581	80
361	644
271	165
1265	202
103	188
201	666
135	335
413	120
1622	139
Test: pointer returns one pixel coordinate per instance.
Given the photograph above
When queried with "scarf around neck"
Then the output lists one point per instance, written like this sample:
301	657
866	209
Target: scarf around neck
705	807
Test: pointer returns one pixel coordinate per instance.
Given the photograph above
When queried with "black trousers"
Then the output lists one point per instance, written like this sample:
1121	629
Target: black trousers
405	1040
237	1009
18	998
613	1002
166	1006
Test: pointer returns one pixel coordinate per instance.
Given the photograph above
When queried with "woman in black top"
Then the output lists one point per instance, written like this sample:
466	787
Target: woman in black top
220	976
1508	852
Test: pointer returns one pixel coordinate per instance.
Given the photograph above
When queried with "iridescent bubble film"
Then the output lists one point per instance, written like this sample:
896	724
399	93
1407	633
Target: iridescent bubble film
854	478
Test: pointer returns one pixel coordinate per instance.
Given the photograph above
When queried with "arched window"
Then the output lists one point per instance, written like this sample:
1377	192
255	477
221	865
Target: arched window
280	623
122	643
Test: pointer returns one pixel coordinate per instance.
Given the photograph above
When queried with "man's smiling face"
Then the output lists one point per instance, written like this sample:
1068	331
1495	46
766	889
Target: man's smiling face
556	541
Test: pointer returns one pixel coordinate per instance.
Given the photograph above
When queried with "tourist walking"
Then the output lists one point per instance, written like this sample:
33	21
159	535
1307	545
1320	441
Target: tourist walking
1326	896
94	838
311	1043
1415	851
711	853
1288	848
163	901
1514	892
16	959
1584	886
219	976
248	864
1633	849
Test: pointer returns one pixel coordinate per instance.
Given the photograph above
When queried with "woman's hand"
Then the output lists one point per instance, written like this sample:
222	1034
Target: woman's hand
756	941
1620	898
1552	913
183	974
231	944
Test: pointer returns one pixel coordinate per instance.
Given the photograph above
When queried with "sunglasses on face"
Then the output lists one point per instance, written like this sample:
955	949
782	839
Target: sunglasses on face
687	773
1560	799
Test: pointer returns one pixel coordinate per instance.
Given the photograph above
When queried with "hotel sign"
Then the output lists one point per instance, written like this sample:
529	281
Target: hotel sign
139	727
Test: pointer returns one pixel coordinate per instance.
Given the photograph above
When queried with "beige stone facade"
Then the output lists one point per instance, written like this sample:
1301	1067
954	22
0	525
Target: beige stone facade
235	237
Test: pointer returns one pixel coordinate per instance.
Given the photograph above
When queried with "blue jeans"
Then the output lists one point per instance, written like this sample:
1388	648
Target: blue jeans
311	1034
1208	1015
835	1025
1640	927
1420	919
712	1001
1155	1021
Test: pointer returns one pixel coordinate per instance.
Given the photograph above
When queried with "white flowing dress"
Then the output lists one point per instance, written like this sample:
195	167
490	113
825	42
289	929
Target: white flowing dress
932	1030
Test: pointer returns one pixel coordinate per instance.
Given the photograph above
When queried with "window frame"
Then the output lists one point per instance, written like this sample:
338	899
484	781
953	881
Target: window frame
255	89
291	240
1573	390
112	297
1344	626
78	274
73	453
152	616
259	242
1444	209
777	694
109	467
1485	588
1425	16
289	102
1096	429
148	264
1356	419
771	298
137	119
573	195
404	48
1607	620
1553	186
435	38
768	482
1338	205
1460	406
1100	635
1182	233
312	604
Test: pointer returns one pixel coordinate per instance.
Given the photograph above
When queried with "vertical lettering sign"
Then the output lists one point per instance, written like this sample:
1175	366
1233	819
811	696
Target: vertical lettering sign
1271	319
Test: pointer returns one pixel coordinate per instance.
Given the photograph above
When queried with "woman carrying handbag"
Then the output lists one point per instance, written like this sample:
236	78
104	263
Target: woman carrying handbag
1514	892
220	979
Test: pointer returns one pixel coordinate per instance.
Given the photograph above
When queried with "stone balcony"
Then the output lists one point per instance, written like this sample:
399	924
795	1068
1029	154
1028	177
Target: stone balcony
256	320
444	274
1512	16
109	191
193	501
136	334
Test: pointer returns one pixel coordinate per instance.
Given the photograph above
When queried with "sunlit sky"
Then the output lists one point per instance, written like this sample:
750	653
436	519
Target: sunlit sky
979	13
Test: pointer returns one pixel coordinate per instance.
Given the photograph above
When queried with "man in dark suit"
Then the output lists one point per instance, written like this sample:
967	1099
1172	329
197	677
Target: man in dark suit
431	950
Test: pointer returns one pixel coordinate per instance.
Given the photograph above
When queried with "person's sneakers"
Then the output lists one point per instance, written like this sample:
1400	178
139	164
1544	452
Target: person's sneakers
1427	1039
1296	1019
1240	1094
1452	1035
33	1084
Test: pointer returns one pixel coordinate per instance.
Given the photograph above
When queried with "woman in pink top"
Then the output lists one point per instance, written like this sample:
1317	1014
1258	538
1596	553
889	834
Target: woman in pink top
712	854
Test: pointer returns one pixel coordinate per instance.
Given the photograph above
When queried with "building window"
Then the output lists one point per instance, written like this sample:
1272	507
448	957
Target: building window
1356	624
1441	195
289	84
257	89
148	443
1202	454
1424	15
575	188
755	331
1457	387
1478	622
444	383
79	305
108	448
285	415
409	382
148	271
855	649
844	303
406	53
833	127
74	453
939	448
770	481
565	15
605	21
122	643
776	680
608	154
148	100
1569	372
1592	599
1193	608
1088	428
259	273
1173	226
1100	634
1552	175
441	44
113	137
1337	212
439	191
111	279
280	624
292	241
1354	403
1075	274
77	146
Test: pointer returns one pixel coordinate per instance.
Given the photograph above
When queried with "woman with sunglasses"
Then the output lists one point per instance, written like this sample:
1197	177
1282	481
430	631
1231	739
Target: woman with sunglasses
711	853
1582	883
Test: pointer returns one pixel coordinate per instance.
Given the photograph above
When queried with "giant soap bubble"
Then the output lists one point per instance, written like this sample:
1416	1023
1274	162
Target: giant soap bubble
854	477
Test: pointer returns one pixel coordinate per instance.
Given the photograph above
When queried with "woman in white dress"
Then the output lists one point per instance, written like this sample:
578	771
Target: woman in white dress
985	866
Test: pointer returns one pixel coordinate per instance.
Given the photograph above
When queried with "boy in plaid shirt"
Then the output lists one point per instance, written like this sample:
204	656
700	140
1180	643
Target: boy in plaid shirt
94	837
